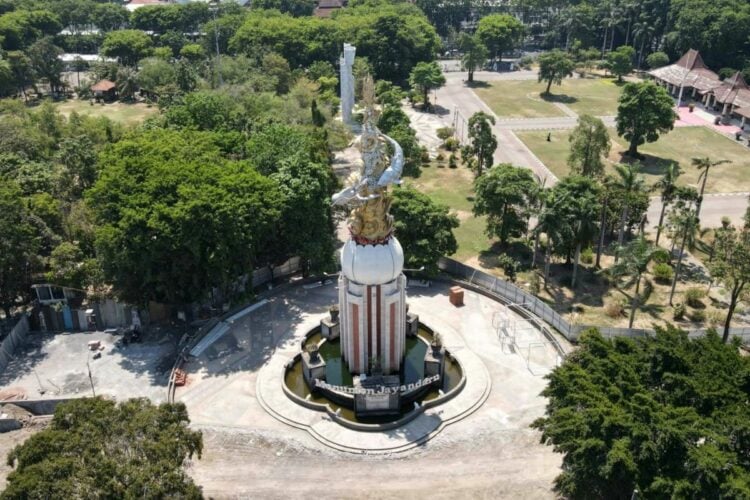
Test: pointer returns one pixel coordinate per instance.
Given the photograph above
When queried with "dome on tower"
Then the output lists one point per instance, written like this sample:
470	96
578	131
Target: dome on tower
372	264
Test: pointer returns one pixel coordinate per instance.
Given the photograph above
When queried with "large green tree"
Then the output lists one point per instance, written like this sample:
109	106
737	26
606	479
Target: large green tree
176	218
424	77
96	448
553	67
620	61
128	46
645	110
500	33
424	228
19	245
664	414
589	142
504	194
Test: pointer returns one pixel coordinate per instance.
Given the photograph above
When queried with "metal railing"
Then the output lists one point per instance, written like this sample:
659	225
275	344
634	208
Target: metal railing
546	313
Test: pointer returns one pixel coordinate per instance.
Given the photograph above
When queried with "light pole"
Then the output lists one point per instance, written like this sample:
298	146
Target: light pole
214	9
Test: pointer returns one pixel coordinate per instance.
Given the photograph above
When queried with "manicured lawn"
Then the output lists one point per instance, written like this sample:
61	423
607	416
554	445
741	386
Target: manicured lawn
680	145
128	114
523	99
453	187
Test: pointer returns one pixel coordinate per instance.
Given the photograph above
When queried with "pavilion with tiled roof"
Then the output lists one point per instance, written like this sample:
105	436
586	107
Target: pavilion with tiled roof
690	73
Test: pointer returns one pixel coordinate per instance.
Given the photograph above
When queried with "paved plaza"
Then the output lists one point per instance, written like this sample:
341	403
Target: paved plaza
488	451
56	365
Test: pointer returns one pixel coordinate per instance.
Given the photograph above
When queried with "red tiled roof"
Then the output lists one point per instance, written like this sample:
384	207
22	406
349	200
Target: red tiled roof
103	86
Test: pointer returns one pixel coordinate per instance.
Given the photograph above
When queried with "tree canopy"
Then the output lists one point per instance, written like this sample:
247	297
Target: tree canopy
666	415
95	448
645	110
500	33
424	228
589	142
553	67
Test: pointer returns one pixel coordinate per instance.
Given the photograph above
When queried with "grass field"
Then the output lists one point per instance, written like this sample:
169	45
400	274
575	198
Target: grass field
128	114
680	145
523	99
453	187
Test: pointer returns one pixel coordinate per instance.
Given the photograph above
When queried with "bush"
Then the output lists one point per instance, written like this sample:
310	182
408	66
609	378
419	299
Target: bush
452	163
694	296
587	256
614	309
678	312
725	73
444	133
657	60
525	62
535	285
451	144
663	273
698	316
715	317
425	155
661	256
440	157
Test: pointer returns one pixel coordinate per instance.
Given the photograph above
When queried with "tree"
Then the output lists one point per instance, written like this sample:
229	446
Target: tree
483	141
7	85
731	266
109	17
553	67
277	67
657	60
633	263
79	65
127	82
424	228
686	225
294	7
18	247
193	52
667	187
630	183
645	110
621	61
663	414
589	141
186	77
175	218
574	208
499	33
503	195
23	72
704	164
128	46
155	73
424	77
96	448
45	62
474	53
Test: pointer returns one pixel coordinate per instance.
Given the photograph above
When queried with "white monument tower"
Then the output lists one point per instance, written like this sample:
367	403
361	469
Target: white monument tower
372	297
347	83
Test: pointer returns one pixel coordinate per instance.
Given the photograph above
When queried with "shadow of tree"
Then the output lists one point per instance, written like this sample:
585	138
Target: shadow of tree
561	98
477	84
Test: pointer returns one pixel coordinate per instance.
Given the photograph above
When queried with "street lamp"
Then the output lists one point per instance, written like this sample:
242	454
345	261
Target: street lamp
214	8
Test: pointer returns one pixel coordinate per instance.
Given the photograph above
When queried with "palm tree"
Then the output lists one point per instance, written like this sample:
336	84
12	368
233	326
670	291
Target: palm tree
607	184
127	82
686	222
642	31
636	257
666	186
629	183
584	230
704	164
549	224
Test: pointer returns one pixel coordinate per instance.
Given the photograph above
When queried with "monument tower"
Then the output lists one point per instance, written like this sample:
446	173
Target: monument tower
372	297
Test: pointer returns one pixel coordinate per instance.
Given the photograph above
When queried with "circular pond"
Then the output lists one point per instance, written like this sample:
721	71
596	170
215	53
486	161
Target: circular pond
337	374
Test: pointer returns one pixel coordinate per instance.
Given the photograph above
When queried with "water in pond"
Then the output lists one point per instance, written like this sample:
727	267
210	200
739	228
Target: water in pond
338	374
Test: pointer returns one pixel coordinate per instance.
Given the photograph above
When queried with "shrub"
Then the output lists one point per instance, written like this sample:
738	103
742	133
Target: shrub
452	161
444	133
534	284
440	157
451	144
661	256
425	155
587	256
678	312
614	309
525	62
698	316
663	273
714	317
694	296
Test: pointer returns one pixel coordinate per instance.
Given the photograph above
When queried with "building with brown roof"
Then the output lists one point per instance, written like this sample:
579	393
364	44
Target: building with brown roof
326	8
104	89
